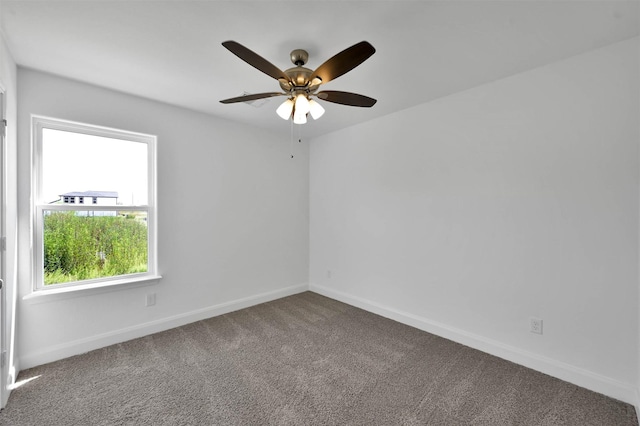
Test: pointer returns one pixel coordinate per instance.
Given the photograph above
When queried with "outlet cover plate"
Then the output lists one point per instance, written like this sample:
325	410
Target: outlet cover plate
150	299
535	325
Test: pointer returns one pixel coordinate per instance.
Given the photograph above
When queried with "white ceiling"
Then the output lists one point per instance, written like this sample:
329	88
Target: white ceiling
170	51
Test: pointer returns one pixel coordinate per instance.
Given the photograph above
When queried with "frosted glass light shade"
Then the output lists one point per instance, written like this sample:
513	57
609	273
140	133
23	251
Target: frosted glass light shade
302	104
285	110
315	109
299	117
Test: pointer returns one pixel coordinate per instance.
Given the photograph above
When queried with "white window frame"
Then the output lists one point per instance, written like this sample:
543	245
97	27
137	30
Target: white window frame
38	123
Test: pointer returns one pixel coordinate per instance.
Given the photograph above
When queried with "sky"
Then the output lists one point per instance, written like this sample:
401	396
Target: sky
77	162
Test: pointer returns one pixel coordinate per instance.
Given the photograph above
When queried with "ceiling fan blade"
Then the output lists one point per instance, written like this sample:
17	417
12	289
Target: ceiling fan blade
346	98
343	62
251	97
255	60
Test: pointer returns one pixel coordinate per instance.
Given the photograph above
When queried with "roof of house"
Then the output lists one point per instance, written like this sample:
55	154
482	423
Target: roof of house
98	194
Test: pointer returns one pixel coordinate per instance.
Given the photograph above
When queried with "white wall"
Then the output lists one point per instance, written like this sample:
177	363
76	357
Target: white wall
8	83
468	215
233	221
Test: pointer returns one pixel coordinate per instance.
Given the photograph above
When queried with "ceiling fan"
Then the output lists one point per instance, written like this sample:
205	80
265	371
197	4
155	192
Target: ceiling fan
300	84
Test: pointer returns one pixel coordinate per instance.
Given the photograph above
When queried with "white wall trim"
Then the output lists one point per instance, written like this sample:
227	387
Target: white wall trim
619	390
80	346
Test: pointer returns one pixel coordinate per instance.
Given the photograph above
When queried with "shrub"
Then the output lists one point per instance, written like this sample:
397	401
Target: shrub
84	247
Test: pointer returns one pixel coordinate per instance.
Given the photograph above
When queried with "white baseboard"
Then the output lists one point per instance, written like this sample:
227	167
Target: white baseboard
622	391
76	347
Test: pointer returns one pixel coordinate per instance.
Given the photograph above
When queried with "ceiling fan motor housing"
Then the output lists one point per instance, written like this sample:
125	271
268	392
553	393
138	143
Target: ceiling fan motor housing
298	76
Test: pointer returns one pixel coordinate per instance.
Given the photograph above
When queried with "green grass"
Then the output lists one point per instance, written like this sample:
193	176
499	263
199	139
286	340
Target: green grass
78	248
59	277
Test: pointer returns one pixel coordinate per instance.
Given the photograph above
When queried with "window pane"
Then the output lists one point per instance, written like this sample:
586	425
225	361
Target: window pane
84	245
111	171
86	180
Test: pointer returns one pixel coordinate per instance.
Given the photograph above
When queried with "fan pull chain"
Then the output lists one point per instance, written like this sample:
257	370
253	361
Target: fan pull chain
291	139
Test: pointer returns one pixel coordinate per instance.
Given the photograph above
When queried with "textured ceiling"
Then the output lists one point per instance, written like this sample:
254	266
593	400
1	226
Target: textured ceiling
170	51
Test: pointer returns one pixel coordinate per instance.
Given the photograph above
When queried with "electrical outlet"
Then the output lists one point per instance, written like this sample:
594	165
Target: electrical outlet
150	299
535	325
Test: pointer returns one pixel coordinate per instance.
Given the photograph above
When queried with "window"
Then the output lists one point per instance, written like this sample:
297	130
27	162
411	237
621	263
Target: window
113	239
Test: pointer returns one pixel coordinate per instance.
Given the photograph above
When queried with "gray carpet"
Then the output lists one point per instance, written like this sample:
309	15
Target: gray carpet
301	360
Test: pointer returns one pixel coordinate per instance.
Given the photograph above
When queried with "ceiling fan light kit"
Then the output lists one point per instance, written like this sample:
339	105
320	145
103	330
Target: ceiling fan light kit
285	110
300	84
315	109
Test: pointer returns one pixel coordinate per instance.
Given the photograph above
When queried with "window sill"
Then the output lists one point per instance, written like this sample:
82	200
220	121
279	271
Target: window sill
77	290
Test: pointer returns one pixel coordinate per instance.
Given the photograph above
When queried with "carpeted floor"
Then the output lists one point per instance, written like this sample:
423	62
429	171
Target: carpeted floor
301	360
